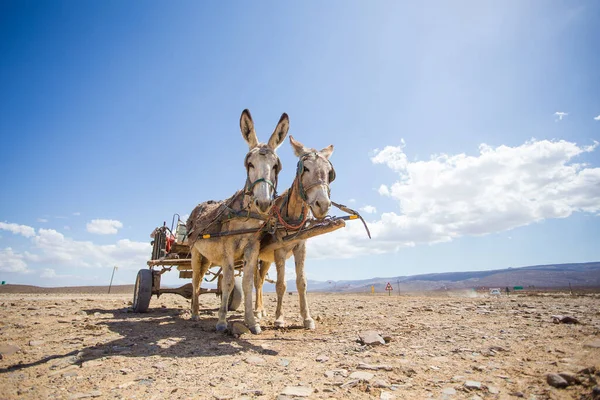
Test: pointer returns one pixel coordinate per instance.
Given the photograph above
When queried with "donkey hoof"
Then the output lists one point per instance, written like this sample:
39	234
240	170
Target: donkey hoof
221	327
195	318
309	324
258	314
279	323
255	329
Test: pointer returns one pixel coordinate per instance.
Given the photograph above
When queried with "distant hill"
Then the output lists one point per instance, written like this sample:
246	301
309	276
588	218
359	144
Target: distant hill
582	275
117	289
547	276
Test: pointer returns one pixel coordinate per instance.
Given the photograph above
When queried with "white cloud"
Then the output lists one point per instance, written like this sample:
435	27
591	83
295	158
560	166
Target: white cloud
597	118
560	115
104	226
450	196
290	272
369	209
51	247
77	214
384	190
48	273
54	248
393	157
22	230
12	262
351	201
42	220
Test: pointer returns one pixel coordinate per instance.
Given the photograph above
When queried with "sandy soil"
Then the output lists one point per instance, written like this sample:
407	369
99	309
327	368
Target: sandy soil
73	346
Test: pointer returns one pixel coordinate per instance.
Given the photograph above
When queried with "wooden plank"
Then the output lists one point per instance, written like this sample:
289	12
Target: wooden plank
271	243
180	248
186	291
185	274
170	262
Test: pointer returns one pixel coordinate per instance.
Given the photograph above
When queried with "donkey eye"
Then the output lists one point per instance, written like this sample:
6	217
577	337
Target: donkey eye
250	165
274	167
306	169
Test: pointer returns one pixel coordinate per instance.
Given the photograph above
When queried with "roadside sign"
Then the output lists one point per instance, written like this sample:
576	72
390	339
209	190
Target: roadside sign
372	289
389	289
518	288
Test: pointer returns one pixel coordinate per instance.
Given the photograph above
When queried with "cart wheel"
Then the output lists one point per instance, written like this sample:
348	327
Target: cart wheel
237	294
142	291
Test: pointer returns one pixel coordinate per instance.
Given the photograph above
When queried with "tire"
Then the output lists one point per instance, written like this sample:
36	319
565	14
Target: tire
237	294
142	292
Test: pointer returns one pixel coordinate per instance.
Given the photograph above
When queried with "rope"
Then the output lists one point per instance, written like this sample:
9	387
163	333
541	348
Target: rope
277	212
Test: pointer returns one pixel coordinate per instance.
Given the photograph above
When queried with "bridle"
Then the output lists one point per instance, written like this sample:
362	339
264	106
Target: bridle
302	193
250	185
300	171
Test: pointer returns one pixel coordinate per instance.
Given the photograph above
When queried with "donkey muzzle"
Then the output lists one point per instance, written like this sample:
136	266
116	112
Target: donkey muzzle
320	208
264	206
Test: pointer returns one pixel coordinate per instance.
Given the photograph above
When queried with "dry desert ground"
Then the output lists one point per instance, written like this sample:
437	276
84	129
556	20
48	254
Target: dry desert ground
445	346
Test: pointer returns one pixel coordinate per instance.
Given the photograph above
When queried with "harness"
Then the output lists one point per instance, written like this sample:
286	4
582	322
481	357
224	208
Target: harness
276	220
300	170
301	225
235	206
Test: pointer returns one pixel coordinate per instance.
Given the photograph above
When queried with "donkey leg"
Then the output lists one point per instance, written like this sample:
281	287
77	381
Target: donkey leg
259	280
280	287
250	265
299	257
196	279
258	290
204	267
226	287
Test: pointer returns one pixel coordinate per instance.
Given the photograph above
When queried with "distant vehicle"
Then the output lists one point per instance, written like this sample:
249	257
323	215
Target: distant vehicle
495	292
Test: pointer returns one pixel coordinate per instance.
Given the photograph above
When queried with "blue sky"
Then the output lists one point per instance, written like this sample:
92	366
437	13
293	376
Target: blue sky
126	113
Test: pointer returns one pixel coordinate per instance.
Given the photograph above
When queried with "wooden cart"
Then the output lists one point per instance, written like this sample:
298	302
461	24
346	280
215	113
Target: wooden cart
171	251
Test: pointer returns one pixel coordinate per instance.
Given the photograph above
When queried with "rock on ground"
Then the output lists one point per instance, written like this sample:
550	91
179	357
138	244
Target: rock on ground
371	338
297	391
556	380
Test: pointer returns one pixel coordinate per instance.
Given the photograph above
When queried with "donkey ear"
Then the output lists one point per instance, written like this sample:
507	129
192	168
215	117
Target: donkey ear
298	147
327	151
280	132
247	128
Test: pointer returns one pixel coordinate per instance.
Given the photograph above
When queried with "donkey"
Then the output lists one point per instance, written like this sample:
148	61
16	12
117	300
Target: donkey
309	190
254	203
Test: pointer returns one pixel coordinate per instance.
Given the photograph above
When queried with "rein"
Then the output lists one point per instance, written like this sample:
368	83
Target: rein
268	226
282	221
297	185
250	185
300	170
229	212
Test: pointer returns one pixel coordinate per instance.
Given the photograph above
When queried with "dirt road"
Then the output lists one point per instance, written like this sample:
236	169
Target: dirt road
75	346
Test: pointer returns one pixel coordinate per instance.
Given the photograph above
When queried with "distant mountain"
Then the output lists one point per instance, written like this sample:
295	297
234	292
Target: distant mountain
583	275
547	276
115	289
